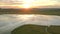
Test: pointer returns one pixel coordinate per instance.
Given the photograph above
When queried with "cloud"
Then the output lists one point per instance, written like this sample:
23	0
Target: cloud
36	3
10	2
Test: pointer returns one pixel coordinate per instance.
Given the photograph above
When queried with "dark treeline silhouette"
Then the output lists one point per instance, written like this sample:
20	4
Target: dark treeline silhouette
45	11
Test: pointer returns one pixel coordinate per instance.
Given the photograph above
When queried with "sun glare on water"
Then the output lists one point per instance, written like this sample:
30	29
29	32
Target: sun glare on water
25	17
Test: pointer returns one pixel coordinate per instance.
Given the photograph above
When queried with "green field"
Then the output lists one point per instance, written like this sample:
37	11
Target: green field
54	29
36	29
44	11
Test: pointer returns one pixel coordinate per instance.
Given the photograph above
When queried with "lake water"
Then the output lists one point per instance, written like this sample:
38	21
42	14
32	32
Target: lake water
8	22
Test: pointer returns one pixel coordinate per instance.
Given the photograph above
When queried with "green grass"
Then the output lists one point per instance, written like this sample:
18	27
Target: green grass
36	29
30	29
54	29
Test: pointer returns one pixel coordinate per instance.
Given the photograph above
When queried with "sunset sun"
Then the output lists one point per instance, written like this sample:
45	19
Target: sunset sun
27	3
26	6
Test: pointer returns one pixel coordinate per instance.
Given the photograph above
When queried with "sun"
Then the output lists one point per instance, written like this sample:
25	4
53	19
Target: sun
27	3
26	6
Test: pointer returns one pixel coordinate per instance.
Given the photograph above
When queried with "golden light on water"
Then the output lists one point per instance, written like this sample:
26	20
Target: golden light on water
25	17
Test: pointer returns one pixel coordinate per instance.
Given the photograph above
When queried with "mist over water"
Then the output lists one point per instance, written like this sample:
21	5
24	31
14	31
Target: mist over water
8	22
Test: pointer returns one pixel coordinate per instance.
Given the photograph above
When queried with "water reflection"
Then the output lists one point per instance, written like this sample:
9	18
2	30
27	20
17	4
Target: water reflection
25	17
8	22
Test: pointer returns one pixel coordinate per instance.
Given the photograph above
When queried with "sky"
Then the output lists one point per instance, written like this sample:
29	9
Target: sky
30	3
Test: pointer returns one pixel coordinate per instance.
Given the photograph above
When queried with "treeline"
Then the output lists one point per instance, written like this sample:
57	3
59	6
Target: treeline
45	11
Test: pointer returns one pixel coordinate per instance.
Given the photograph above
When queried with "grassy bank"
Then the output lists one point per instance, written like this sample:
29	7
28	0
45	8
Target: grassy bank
36	29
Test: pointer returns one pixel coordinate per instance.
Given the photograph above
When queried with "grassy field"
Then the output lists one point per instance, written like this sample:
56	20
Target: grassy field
36	29
54	29
30	29
44	11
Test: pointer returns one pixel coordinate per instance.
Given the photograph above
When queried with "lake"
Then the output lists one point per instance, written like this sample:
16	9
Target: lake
8	22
